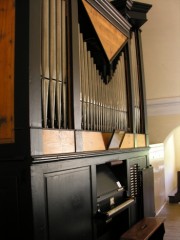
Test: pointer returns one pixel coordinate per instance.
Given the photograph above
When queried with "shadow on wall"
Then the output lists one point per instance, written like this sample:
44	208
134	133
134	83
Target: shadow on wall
171	160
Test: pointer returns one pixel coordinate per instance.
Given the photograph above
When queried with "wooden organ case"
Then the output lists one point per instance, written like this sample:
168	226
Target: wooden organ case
74	154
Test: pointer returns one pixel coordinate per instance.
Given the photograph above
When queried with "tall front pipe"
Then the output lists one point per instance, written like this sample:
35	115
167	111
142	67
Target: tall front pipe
59	63
64	65
45	59
52	60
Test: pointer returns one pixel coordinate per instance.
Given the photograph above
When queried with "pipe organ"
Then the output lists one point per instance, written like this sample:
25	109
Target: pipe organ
73	165
110	80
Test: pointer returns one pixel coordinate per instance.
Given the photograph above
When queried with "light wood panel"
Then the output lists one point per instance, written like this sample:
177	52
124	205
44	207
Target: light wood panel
7	43
141	140
111	38
128	141
89	141
48	141
116	139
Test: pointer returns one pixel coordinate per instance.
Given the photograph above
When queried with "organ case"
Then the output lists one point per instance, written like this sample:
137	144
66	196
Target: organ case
79	105
91	71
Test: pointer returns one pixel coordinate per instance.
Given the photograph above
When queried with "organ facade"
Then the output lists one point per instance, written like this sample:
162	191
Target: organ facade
73	131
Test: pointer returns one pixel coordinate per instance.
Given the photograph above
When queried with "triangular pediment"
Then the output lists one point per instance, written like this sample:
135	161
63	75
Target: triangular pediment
111	38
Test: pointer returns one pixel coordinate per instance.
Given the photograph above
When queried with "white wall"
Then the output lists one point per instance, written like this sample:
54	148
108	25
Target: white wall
160	126
172	160
161	52
161	49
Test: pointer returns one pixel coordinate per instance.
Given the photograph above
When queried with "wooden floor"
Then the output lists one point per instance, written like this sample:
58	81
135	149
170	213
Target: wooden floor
171	211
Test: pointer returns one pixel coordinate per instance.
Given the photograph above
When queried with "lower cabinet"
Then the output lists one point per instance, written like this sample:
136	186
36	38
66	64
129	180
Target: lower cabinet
69	204
66	209
75	198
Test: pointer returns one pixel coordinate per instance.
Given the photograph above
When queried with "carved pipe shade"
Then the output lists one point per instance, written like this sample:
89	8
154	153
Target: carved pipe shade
110	37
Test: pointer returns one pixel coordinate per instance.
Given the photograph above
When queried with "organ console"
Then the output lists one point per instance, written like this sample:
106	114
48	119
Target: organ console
79	121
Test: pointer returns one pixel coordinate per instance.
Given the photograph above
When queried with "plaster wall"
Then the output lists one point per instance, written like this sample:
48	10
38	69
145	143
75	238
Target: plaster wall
161	53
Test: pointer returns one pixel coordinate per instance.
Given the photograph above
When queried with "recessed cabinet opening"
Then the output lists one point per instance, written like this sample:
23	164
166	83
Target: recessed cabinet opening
112	199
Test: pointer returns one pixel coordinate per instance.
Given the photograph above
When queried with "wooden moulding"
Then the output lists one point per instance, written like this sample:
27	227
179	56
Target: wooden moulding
89	141
107	138
111	38
145	228
7	42
49	141
128	141
116	139
141	140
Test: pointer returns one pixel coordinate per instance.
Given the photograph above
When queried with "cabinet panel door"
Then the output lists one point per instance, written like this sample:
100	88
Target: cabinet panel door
7	41
69	205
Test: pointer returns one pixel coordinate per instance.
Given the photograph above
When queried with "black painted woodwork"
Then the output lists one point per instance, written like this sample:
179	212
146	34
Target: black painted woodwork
15	201
73	177
49	197
35	118
174	197
69	214
74	73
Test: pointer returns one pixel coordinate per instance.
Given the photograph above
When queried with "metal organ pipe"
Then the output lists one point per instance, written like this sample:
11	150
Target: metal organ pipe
104	106
45	59
135	84
54	64
64	64
52	54
59	61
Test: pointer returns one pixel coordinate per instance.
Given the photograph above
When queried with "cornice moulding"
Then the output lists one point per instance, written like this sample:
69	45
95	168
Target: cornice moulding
163	106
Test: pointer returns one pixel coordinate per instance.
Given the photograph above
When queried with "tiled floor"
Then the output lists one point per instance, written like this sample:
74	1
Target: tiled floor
171	211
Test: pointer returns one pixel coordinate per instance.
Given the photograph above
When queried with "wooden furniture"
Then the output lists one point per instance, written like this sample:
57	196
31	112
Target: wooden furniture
76	101
147	228
7	46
